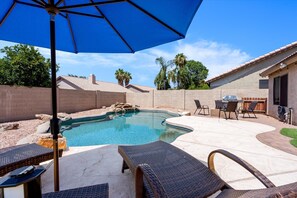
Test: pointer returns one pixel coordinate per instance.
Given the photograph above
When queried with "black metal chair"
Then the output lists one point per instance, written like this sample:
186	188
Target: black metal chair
219	104
250	109
231	107
201	107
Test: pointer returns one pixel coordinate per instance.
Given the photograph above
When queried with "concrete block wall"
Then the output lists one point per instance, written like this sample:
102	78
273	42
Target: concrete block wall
21	103
18	103
170	99
144	100
109	98
75	100
184	99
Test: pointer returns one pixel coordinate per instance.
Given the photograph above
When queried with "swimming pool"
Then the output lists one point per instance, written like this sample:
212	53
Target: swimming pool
131	128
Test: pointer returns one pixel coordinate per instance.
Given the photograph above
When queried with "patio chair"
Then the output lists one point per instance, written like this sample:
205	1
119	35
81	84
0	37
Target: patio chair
250	109
219	104
231	107
18	156
162	170
201	107
95	191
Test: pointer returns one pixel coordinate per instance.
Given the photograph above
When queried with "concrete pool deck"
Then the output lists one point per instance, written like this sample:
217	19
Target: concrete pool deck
82	166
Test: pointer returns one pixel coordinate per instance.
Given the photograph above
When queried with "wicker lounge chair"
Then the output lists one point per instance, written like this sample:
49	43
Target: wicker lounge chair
201	107
162	170
250	109
96	191
15	157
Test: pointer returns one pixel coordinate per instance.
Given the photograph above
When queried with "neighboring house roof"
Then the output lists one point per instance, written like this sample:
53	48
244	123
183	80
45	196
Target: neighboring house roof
140	88
254	61
292	58
86	84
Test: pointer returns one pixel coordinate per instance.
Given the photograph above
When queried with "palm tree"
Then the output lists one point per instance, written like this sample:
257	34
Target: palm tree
119	75
172	76
161	80
180	60
127	78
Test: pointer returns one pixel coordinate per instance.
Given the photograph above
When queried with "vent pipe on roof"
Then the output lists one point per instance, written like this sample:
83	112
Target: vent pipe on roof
92	79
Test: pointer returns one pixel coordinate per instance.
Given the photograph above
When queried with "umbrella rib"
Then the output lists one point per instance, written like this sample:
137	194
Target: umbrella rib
156	19
39	3
29	4
72	34
114	29
59	2
7	13
82	14
89	4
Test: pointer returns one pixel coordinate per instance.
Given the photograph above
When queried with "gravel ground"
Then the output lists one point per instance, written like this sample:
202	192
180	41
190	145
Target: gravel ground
28	127
11	137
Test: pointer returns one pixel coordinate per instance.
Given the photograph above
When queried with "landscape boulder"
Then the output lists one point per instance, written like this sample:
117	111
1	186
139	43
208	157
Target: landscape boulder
5	127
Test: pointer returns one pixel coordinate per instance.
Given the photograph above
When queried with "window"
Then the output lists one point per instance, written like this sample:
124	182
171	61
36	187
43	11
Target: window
280	90
263	84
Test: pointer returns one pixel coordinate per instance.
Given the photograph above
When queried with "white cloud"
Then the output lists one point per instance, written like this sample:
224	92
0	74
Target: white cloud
217	57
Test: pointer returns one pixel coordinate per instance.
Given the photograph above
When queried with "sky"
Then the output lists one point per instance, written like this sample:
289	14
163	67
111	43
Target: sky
223	35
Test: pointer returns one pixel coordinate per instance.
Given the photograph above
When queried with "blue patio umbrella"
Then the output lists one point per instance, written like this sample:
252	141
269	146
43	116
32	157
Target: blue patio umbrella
99	26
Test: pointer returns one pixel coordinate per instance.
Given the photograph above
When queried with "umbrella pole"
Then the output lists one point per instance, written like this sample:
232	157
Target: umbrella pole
55	121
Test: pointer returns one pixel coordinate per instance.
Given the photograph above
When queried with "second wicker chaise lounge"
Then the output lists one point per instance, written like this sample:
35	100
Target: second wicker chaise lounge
162	170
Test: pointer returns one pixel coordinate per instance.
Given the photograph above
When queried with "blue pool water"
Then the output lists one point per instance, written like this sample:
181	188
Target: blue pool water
132	128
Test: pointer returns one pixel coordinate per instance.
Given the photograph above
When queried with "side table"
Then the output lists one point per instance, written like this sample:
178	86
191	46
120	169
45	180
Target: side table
25	186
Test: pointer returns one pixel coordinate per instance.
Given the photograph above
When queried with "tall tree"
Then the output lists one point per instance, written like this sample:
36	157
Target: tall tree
161	80
119	75
24	65
198	73
127	78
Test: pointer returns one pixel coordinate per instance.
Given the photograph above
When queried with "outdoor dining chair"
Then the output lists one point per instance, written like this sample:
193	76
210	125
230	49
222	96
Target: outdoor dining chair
219	104
201	107
231	107
250	109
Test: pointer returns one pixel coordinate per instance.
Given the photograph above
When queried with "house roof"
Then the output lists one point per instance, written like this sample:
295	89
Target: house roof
85	84
280	65
254	61
140	87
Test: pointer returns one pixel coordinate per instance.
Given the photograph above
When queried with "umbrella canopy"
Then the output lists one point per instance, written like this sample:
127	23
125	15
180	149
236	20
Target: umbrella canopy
100	26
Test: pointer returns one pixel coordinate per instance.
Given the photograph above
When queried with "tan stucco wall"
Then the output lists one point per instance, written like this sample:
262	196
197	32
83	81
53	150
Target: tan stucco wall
250	81
249	78
292	91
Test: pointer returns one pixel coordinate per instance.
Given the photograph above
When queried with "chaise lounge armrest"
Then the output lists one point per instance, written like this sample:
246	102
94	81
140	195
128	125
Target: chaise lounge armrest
263	179
144	171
